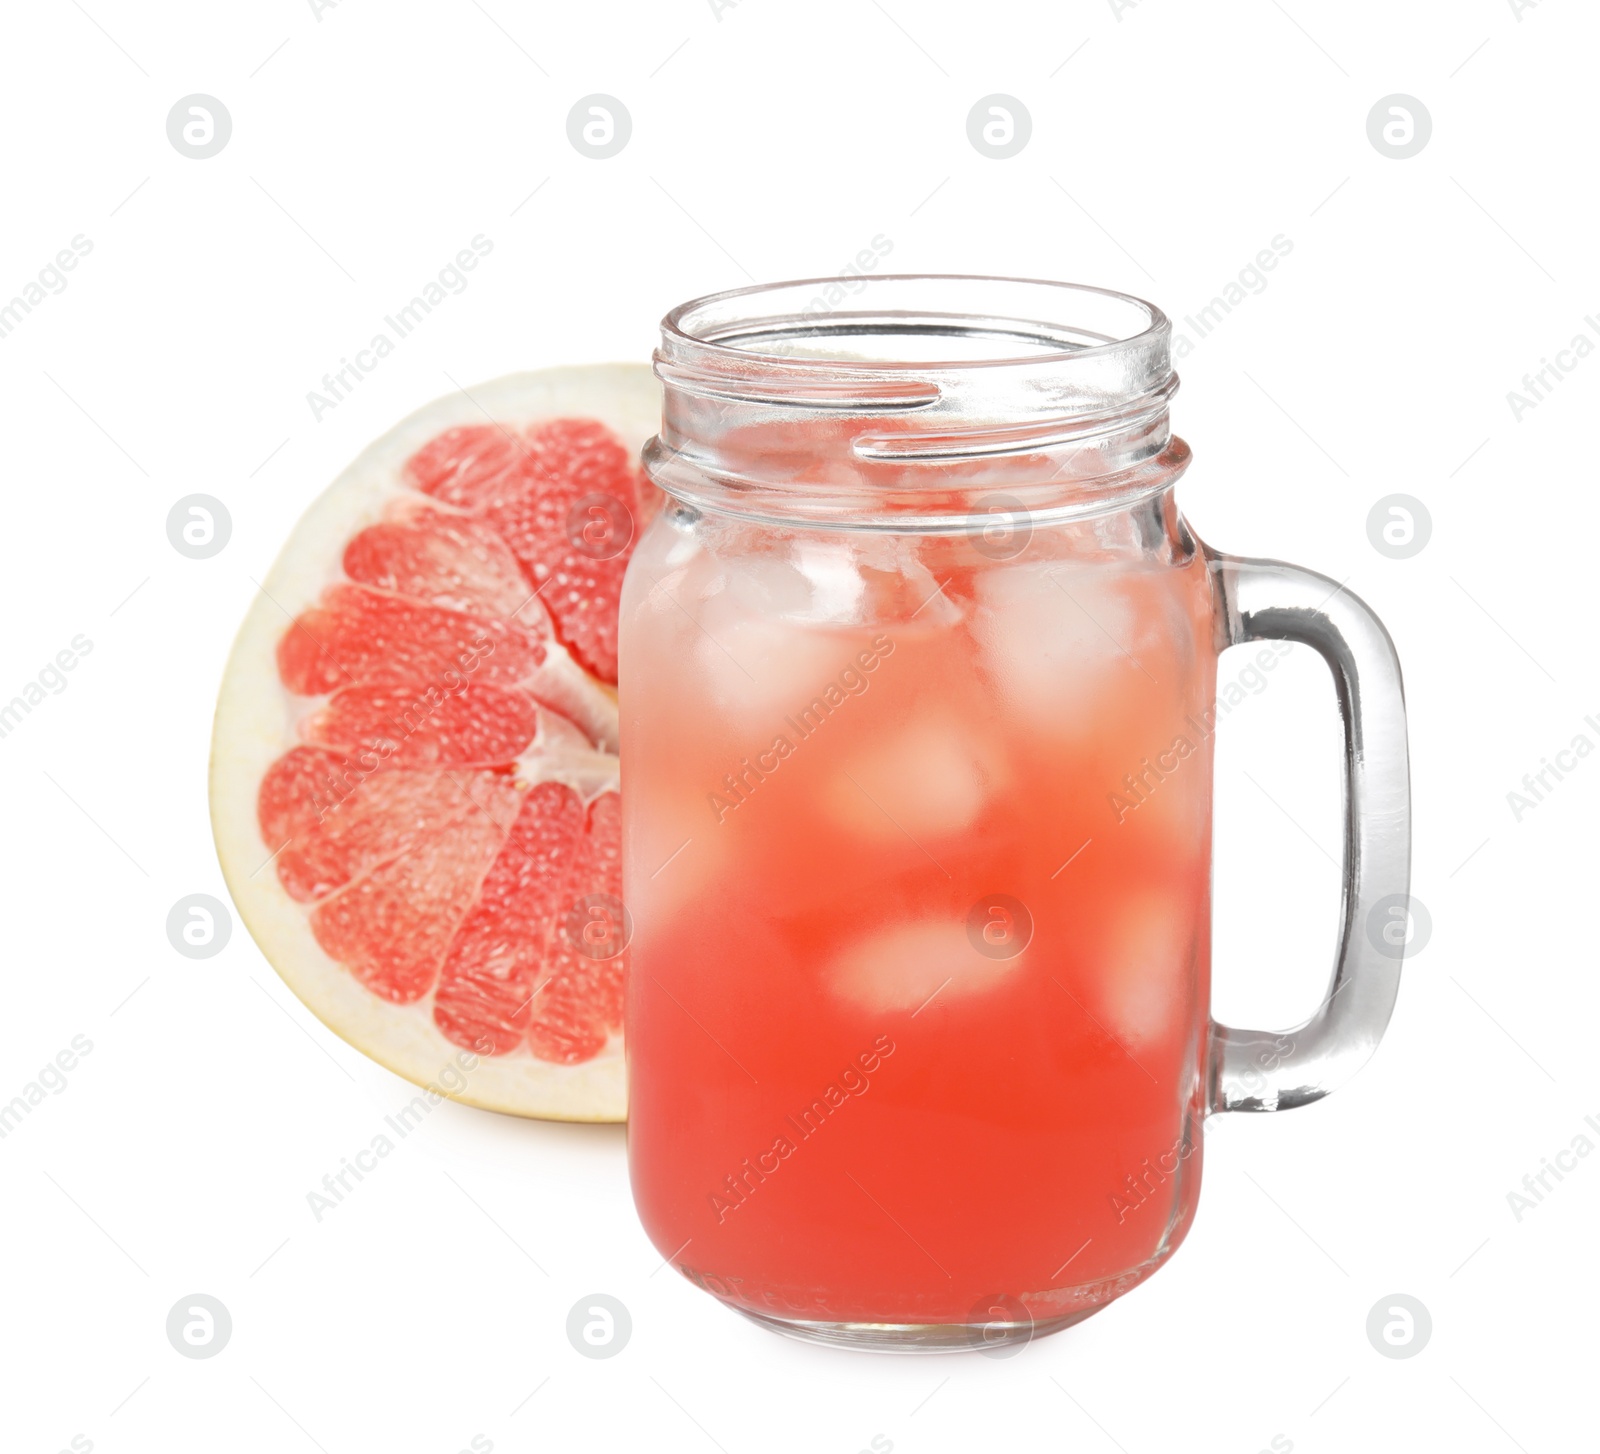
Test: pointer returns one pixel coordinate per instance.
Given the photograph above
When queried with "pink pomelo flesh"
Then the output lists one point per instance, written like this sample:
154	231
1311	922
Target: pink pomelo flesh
442	819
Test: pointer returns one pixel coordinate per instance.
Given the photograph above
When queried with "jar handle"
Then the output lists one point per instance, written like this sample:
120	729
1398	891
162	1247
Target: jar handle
1252	1070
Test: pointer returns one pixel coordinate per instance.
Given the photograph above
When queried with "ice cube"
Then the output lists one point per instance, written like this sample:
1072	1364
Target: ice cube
905	966
830	568
758	650
676	861
927	781
1145	976
901	592
1056	636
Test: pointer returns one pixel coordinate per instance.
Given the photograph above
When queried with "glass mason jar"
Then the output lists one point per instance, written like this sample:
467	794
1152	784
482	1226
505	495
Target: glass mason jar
918	675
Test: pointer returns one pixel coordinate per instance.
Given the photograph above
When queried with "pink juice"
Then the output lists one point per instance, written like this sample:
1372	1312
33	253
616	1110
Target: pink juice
917	855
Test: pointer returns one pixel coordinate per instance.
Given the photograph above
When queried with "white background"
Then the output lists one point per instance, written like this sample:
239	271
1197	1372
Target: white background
1170	144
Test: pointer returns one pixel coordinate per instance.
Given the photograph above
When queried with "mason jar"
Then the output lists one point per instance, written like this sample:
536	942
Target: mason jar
918	685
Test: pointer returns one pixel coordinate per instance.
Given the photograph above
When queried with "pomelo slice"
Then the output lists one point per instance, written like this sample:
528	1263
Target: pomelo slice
414	781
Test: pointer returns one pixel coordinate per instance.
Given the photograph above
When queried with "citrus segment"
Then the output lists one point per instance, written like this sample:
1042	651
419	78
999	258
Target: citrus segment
496	963
581	1002
328	820
552	495
355	634
479	724
447	560
392	927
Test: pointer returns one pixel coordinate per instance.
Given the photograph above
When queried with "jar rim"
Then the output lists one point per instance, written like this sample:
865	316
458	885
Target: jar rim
903	393
715	325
